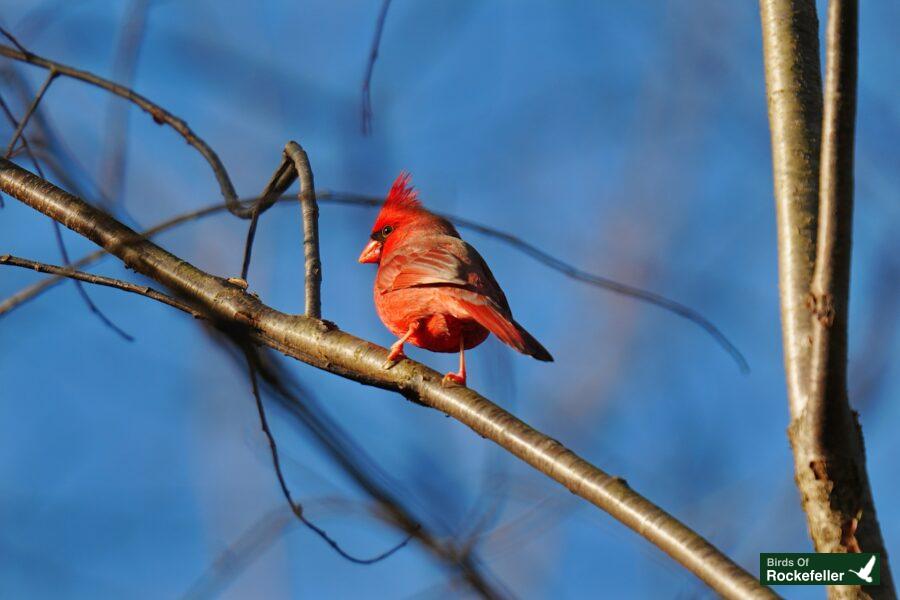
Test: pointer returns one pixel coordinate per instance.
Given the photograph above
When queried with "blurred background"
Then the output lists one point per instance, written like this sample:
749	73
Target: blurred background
628	139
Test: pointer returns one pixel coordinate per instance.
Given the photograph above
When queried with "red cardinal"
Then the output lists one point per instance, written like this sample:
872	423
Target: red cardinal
433	289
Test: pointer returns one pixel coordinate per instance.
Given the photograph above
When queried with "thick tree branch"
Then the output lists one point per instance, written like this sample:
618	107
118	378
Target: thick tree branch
794	93
831	459
322	345
829	455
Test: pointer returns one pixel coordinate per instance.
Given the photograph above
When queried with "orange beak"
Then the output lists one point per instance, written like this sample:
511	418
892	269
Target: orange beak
371	253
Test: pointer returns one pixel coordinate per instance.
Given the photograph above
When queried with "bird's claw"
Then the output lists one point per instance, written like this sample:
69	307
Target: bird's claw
393	358
238	282
453	379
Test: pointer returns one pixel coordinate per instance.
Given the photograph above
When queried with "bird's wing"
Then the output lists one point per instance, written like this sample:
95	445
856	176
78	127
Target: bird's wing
442	260
448	262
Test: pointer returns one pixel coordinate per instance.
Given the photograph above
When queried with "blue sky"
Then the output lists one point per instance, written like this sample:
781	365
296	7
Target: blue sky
629	140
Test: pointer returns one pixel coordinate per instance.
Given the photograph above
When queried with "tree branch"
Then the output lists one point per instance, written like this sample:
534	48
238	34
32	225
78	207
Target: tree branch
312	262
141	290
115	145
831	463
60	242
814	193
159	114
297	508
31	108
294	165
366	108
322	345
794	94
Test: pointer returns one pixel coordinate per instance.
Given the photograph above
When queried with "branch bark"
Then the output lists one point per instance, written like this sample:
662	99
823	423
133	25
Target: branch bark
159	114
794	92
140	290
322	345
814	195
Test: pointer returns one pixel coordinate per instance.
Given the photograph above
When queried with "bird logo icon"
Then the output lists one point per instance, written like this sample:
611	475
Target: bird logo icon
866	572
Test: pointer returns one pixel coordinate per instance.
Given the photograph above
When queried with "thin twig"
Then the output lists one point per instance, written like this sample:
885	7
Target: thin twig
366	108
50	148
14	41
297	508
326	347
283	176
369	476
116	143
31	108
125	286
294	165
61	244
236	557
57	231
159	114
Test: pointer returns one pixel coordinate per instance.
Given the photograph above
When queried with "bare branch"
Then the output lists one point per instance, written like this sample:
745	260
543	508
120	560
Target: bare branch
828	438
294	165
324	346
814	193
794	93
297	508
366	109
830	289
116	143
159	114
312	262
60	242
281	179
31	108
368	475
148	292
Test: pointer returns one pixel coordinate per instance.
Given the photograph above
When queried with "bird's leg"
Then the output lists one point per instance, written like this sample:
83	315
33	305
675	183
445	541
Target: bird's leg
396	352
459	378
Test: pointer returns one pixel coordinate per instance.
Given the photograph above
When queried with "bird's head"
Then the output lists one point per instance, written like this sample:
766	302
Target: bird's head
401	216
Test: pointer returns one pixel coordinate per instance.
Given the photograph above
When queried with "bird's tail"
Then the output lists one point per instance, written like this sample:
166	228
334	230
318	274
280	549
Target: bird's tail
509	332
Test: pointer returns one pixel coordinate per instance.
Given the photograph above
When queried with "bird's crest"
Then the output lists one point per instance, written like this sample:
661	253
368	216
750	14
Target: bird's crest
402	194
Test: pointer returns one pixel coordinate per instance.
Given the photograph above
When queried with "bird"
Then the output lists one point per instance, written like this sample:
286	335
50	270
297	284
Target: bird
866	572
433	289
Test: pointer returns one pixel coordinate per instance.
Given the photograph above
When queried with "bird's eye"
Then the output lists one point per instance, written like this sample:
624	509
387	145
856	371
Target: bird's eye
386	231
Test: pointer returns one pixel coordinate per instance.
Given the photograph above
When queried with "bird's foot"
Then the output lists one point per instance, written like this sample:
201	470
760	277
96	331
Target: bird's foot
453	379
238	282
395	356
